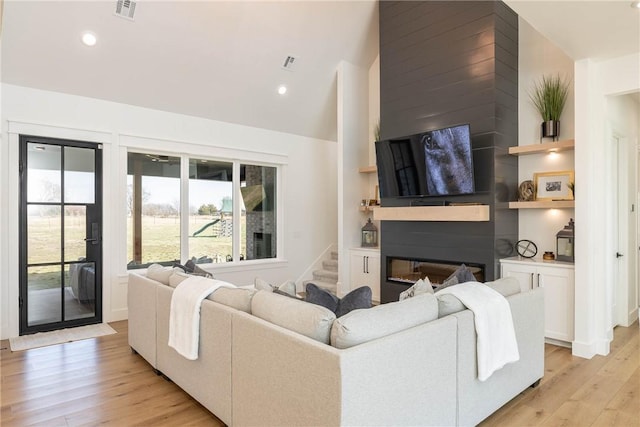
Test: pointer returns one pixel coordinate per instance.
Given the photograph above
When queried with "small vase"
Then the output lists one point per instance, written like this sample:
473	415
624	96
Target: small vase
550	129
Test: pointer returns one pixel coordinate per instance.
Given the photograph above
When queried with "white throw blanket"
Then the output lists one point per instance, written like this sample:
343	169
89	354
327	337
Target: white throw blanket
496	337
184	316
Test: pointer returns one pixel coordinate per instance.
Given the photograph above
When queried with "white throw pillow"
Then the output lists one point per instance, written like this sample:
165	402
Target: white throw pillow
288	287
422	286
360	326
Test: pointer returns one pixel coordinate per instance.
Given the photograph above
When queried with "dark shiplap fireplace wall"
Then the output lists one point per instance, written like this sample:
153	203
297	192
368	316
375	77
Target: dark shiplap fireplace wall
441	64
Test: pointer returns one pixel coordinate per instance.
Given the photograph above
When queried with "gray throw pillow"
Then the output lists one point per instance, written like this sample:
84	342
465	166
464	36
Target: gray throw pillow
356	299
461	275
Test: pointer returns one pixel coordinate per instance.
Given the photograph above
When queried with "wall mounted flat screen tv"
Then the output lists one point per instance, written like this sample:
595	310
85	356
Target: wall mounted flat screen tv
433	163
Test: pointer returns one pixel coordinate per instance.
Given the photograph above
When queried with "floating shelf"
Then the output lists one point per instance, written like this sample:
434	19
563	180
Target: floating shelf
433	213
543	204
544	147
368	169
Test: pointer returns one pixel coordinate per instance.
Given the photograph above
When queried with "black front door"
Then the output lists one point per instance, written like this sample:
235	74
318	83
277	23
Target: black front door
60	234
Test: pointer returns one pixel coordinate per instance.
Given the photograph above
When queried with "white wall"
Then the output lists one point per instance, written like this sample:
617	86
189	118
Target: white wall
353	101
594	81
537	56
309	187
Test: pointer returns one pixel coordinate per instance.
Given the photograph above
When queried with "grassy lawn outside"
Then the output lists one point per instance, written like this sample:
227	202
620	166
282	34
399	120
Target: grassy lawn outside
160	242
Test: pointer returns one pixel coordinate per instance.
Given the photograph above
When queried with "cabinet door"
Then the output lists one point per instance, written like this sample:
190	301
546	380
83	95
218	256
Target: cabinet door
365	271
558	284
373	271
524	273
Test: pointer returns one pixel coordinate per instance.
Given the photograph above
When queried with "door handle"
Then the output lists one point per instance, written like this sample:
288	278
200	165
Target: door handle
619	255
531	280
95	234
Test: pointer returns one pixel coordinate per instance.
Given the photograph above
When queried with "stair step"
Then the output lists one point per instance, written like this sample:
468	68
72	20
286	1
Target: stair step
334	255
326	276
330	265
331	287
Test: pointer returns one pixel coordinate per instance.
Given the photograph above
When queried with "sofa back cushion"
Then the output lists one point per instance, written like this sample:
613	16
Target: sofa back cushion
449	304
238	298
360	326
507	286
160	274
310	320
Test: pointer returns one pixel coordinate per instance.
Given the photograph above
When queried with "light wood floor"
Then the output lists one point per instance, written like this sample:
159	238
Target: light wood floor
99	381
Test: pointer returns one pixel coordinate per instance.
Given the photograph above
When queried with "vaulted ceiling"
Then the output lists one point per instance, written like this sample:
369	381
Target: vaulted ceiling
223	59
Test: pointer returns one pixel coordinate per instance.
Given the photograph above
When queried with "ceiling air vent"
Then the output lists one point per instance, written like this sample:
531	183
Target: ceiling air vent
126	9
290	63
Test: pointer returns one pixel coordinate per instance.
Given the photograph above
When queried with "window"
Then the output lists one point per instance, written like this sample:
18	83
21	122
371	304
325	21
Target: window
210	211
229	214
258	190
153	209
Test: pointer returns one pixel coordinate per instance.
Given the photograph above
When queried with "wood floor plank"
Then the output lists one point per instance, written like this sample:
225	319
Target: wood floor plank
576	391
100	382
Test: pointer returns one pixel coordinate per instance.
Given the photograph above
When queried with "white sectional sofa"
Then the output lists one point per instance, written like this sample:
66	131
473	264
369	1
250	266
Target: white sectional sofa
261	362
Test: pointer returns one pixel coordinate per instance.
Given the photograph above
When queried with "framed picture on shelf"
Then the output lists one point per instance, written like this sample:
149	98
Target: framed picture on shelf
554	185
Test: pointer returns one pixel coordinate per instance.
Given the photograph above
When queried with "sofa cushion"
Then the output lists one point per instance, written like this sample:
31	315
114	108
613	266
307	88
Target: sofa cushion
288	287
238	298
354	300
177	277
310	320
507	286
448	304
361	326
422	286
159	273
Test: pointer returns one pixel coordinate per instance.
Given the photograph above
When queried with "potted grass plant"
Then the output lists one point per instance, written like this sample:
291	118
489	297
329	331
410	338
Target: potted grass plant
549	96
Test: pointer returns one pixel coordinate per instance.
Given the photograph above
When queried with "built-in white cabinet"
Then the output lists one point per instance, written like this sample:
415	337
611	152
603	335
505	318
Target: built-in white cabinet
558	280
365	270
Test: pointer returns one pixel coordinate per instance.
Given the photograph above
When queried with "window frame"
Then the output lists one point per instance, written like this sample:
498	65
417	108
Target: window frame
238	158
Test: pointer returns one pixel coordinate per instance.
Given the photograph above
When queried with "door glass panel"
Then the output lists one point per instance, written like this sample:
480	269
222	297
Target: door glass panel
75	231
44	226
44	296
44	182
79	291
79	175
210	211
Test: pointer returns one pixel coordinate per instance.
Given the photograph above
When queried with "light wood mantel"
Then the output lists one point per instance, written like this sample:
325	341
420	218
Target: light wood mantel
433	213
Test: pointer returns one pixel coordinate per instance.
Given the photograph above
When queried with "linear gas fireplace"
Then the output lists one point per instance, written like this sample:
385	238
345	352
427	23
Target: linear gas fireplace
404	272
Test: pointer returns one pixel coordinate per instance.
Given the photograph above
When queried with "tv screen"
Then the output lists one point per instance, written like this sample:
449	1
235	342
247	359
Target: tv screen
433	163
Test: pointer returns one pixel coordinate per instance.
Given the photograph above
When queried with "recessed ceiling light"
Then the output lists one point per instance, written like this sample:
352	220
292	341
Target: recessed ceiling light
636	4
89	39
282	89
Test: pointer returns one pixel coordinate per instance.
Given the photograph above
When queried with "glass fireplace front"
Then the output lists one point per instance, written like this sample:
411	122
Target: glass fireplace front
409	270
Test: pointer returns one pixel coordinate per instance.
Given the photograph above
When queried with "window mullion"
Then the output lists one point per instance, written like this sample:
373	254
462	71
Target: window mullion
184	208
237	232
